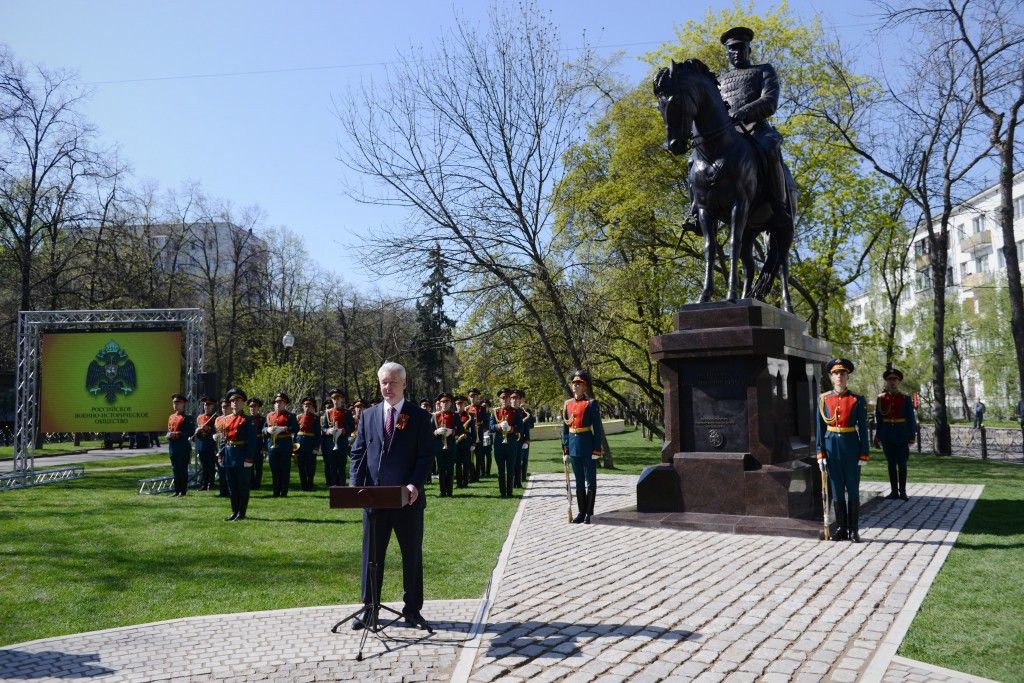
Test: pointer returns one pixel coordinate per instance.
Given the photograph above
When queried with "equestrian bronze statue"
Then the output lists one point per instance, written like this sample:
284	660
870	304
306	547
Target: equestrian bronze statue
736	175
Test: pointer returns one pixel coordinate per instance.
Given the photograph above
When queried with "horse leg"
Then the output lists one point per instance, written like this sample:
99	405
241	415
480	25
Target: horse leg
707	227
787	304
737	222
747	257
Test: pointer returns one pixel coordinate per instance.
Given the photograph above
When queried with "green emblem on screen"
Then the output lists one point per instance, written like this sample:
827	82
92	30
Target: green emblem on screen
111	373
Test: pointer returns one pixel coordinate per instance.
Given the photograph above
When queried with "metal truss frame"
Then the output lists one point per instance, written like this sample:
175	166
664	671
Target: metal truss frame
24	479
31	325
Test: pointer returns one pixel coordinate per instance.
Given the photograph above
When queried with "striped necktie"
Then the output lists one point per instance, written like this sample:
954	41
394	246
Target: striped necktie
389	428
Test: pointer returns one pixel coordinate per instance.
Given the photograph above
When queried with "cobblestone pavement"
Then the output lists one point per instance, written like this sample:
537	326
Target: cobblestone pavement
610	603
583	603
283	645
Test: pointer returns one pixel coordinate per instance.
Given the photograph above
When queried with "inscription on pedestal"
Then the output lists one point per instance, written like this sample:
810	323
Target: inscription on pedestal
715	411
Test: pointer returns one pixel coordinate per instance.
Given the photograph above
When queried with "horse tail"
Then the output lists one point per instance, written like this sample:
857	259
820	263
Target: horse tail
778	248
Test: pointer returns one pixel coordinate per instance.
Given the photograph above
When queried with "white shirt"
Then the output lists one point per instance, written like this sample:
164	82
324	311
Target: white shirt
397	407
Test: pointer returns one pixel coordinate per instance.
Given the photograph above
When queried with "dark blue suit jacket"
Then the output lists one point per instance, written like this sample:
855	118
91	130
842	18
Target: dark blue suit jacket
410	457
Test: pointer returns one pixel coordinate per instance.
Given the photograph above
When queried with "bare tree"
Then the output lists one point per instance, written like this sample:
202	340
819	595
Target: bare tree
922	135
990	36
44	154
470	140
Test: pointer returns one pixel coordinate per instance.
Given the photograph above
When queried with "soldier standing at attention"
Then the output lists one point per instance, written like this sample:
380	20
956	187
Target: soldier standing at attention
341	427
582	436
237	453
281	428
326	442
897	429
179	427
465	443
447	431
528	421
483	425
225	412
205	443
505	425
258	422
843	447
488	440
308	442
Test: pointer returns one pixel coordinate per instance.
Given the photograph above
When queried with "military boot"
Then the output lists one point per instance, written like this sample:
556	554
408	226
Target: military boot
840	533
894	487
581	504
591	498
855	521
903	482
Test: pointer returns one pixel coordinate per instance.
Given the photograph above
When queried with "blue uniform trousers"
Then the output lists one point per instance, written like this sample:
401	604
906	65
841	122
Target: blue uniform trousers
445	459
179	468
281	467
207	462
504	458
843	453
307	462
584	469
238	479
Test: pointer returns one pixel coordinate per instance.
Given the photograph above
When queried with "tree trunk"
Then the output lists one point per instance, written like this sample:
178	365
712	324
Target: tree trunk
1010	256
938	265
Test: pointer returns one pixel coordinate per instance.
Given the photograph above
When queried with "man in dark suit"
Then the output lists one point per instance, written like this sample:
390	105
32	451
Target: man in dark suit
394	447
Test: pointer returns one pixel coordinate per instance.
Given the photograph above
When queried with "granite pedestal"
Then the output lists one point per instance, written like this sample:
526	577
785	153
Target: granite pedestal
741	383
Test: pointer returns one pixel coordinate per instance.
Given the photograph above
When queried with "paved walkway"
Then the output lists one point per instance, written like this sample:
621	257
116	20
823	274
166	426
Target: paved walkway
582	603
42	463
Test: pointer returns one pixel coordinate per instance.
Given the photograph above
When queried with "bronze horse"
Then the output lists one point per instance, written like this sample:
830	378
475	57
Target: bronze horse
726	180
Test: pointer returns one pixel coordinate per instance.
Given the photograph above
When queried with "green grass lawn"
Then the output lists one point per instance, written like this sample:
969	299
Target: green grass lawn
93	554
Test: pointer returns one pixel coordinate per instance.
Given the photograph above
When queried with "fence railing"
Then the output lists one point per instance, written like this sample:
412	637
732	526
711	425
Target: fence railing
987	443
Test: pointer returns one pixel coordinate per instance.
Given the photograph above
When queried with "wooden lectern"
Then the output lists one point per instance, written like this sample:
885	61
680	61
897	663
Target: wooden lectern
370	498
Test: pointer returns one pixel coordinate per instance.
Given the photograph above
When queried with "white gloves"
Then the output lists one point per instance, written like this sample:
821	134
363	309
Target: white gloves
331	431
860	463
440	431
822	463
503	426
248	464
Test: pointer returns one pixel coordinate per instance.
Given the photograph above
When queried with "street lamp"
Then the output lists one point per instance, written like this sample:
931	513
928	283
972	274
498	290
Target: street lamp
288	341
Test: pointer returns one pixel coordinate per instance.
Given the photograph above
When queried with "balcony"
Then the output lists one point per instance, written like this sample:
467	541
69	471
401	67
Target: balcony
976	280
976	241
922	260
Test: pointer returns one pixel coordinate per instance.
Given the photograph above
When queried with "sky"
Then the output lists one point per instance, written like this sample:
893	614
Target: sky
239	95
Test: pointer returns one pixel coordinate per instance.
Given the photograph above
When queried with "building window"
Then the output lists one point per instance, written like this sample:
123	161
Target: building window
978	224
921	248
949	276
1018	206
1020	250
963	270
981	264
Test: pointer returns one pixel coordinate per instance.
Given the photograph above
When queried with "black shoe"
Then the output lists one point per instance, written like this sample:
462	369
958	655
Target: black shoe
892	496
840	534
240	517
414	619
363	620
903	495
233	517
854	536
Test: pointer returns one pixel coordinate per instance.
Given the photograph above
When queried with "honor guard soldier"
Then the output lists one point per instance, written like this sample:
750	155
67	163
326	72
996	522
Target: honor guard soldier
222	479
896	429
237	453
843	447
341	427
582	436
326	442
465	443
357	409
505	425
258	423
447	431
528	422
308	442
179	427
205	443
281	428
483	425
